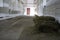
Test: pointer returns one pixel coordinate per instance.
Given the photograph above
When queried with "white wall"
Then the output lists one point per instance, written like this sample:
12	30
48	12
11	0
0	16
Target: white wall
40	8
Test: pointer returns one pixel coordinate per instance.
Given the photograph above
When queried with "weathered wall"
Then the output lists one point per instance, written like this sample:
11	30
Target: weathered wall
57	11
49	11
53	10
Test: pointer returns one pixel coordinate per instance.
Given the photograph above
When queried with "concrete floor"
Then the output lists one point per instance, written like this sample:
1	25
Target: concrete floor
12	28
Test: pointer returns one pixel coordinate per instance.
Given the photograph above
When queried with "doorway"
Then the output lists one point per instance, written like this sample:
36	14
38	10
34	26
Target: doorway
28	11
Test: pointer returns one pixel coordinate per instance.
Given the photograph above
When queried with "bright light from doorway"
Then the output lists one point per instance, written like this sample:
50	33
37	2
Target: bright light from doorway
32	11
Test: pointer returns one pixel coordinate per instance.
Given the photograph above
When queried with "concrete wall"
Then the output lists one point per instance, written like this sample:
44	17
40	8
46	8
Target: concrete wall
49	11
57	11
9	6
52	10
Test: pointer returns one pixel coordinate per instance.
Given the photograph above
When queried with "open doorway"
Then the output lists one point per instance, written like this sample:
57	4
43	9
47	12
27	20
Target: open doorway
30	11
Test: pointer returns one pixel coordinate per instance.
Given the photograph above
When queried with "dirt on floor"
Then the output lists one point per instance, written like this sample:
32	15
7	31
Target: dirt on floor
22	28
30	34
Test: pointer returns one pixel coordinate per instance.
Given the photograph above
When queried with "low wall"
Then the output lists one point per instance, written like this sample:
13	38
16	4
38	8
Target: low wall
4	10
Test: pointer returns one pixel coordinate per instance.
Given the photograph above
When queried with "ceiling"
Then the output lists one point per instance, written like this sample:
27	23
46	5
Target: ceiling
30	3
